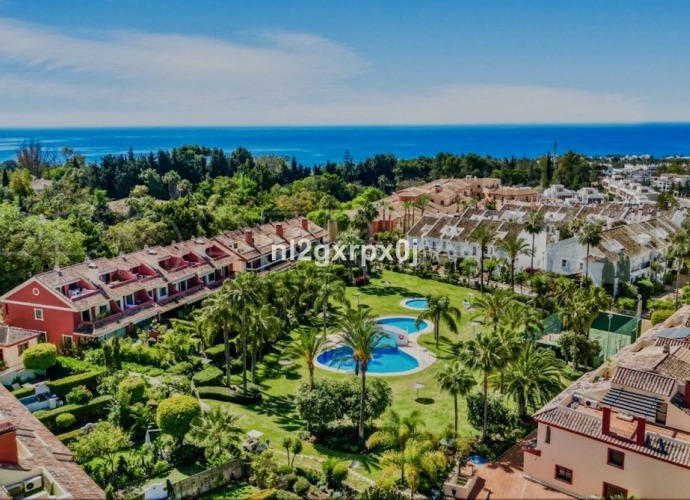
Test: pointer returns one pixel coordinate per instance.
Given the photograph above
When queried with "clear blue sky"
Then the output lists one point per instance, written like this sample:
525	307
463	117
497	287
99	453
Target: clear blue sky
146	62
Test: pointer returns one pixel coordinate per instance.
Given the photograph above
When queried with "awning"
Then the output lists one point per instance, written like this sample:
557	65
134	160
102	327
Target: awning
632	402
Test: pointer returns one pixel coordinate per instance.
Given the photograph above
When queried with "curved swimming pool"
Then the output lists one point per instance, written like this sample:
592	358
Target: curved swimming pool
389	359
404	323
419	303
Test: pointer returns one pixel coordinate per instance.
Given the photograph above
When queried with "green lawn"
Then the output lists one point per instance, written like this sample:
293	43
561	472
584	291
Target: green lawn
275	415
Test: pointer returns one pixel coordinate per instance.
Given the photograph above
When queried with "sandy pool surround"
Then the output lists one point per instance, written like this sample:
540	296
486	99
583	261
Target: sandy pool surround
403	303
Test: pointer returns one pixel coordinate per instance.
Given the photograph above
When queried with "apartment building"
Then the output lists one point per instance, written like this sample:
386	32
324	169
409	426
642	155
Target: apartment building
106	297
666	181
628	190
33	462
623	429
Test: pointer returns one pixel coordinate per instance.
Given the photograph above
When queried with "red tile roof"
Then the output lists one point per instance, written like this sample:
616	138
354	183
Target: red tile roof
644	381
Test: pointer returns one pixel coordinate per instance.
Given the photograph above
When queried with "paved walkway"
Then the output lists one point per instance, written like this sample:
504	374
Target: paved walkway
503	479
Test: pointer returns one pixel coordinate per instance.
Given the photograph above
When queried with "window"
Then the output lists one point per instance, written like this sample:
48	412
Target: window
129	299
611	491
1	358
86	315
547	439
564	263
38	314
22	348
103	309
67	341
474	250
149	293
616	458
582	266
563	474
162	292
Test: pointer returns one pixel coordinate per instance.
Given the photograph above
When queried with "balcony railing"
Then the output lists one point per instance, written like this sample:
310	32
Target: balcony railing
83	295
92	326
180	295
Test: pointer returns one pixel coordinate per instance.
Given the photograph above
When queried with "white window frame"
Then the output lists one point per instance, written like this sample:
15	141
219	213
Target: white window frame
38	314
160	295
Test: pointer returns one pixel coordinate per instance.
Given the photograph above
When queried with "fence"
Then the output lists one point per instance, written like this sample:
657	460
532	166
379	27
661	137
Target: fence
198	484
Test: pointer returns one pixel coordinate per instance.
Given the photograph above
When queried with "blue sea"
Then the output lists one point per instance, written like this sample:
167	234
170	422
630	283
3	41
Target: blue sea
315	145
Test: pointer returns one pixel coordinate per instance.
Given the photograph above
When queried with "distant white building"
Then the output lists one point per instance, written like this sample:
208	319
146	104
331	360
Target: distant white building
664	182
558	192
628	190
589	195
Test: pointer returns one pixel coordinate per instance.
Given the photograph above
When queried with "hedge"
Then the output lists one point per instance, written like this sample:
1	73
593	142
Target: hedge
216	353
62	387
65	420
95	409
661	316
39	357
229	395
209	376
24	392
68	437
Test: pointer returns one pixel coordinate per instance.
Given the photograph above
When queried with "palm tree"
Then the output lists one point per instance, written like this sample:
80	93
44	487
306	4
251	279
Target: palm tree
534	225
217	312
513	247
482	354
533	378
680	250
329	203
484	235
364	337
422	203
265	325
308	346
589	235
419	460
243	295
456	379
331	289
440	309
178	344
494	305
216	429
349	239
407	206
196	327
395	432
524	320
468	268
511	343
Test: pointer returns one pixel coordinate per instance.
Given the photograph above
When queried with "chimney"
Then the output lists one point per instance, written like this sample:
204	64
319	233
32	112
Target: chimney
305	224
8	444
248	236
666	349
641	431
332	230
438	188
686	394
279	229
606	421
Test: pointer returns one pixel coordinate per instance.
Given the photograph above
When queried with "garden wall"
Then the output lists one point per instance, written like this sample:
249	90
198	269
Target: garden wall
198	484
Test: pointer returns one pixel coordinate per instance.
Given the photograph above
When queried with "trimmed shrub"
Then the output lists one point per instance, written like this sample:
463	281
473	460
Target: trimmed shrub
61	387
97	408
229	395
645	287
68	437
175	414
301	487
183	368
39	357
209	376
24	392
160	467
626	304
216	353
79	396
660	316
74	365
133	388
65	420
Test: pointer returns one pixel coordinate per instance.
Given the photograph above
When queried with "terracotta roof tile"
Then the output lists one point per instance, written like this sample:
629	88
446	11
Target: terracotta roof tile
644	381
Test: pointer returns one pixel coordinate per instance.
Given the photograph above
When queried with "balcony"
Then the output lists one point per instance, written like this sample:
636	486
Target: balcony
180	295
92	327
459	485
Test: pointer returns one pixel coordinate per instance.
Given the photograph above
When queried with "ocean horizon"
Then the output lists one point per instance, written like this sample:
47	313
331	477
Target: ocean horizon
313	145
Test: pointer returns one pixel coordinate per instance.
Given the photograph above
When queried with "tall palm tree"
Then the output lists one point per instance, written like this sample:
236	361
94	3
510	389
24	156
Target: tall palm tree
332	289
533	378
513	247
494	305
349	239
407	206
396	431
216	429
422	203
680	250
484	235
243	295
511	343
589	235
524	320
440	309
265	326
534	225
458	380
482	354
364	337
218	313
308	346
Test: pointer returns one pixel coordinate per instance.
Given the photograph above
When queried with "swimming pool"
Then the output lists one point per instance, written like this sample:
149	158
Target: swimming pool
389	359
419	303
404	323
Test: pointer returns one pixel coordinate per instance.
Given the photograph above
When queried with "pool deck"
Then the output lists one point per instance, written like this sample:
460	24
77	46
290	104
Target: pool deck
424	357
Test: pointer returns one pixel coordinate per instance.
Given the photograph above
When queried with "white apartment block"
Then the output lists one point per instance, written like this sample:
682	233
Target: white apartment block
628	190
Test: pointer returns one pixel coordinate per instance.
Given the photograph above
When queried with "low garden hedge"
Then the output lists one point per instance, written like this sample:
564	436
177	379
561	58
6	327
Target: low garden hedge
24	392
216	353
253	396
68	437
62	386
209	376
660	316
95	409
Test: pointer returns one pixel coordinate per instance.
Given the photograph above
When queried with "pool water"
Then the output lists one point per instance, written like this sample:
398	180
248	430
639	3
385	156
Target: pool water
404	323
478	460
420	304
389	359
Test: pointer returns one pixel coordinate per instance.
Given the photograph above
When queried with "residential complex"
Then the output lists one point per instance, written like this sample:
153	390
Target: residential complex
623	429
33	462
106	297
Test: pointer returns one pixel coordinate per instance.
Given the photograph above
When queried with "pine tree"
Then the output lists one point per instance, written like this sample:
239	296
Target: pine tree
5	178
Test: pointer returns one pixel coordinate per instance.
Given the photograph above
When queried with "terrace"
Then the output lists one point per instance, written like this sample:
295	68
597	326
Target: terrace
134	314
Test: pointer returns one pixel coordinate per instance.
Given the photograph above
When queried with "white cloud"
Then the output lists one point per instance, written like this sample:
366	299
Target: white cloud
49	78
